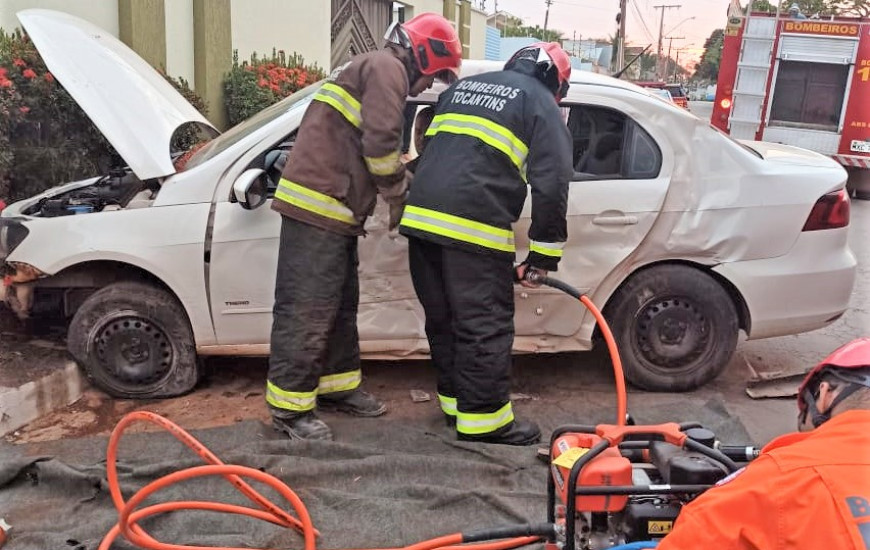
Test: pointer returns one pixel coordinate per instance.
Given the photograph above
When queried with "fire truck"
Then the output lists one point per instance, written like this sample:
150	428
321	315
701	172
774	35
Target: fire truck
801	82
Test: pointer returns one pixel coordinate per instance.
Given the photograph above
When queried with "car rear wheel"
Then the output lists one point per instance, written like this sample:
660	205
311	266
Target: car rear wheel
675	326
133	340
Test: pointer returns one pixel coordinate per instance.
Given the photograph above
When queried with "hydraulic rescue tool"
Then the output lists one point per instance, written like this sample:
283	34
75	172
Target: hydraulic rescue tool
609	485
618	484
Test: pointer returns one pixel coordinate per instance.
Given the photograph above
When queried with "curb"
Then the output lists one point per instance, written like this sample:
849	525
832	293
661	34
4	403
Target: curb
24	404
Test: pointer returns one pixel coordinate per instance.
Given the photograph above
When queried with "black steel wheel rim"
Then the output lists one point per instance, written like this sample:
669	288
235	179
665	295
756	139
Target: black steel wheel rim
672	332
134	352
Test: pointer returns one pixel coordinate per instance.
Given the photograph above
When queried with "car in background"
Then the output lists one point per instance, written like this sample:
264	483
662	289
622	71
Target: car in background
678	93
662	93
681	235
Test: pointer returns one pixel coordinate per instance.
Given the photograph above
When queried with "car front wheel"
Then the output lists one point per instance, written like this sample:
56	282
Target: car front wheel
133	340
675	326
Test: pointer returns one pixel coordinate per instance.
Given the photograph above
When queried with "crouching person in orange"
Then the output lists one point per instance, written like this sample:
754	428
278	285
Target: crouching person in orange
808	490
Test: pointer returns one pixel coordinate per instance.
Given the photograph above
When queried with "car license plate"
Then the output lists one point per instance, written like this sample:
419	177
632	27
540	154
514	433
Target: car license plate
860	146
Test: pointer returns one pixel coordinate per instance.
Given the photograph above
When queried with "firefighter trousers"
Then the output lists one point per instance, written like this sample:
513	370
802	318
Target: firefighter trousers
315	342
469	304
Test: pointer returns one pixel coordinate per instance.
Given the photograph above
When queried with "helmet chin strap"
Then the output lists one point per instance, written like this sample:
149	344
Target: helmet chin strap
820	417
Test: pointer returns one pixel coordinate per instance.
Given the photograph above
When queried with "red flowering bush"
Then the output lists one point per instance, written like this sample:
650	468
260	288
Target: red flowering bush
45	137
253	85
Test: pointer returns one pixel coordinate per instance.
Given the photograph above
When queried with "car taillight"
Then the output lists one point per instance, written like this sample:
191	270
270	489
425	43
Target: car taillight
830	212
725	103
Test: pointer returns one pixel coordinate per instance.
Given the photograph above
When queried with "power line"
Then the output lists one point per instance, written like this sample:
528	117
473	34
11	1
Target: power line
637	11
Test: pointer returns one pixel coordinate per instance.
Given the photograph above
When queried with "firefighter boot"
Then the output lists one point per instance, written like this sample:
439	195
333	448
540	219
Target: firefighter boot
355	402
303	426
518	432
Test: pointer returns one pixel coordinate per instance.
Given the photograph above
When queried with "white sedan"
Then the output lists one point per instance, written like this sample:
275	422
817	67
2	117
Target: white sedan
683	236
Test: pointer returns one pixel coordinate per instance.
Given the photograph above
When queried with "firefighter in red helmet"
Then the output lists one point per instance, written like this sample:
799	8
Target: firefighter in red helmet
808	489
493	136
346	153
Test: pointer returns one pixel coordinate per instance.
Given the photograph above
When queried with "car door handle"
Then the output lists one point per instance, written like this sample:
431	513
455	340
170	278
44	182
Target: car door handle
615	220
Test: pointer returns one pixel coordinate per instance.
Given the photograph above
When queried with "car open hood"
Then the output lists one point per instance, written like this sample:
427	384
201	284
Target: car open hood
786	154
135	107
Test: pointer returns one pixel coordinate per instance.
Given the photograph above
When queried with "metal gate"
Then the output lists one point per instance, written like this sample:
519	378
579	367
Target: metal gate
358	26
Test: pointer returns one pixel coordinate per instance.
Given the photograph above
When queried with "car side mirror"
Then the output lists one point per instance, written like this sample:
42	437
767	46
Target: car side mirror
251	188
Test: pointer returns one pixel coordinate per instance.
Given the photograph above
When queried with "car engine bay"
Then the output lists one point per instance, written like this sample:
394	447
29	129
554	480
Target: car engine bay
118	190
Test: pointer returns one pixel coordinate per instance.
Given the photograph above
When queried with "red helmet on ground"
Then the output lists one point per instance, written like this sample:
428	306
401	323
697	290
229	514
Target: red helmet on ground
552	63
850	364
434	43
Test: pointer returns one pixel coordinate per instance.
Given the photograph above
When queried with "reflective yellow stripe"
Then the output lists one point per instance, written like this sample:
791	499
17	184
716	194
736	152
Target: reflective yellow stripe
343	381
547	249
484	423
448	404
384	166
308	199
289	400
494	135
458	228
337	97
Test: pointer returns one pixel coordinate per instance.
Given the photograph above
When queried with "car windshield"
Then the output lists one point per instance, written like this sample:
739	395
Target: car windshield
243	129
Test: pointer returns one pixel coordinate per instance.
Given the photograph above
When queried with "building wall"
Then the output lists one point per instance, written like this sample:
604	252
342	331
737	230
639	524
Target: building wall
478	35
416	7
103	13
300	26
179	39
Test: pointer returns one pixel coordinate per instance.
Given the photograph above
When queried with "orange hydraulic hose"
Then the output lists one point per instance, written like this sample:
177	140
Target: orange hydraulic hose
618	374
129	516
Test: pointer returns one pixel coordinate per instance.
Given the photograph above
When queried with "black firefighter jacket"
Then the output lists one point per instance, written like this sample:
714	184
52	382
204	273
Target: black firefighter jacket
493	136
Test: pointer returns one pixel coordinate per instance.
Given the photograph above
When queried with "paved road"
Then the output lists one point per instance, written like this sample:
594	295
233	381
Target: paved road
701	109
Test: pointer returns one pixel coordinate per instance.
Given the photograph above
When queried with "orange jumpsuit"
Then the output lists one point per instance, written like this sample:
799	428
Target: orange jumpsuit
806	490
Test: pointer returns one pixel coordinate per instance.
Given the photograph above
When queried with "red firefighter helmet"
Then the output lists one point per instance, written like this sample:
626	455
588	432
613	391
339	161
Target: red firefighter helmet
850	364
552	63
434	43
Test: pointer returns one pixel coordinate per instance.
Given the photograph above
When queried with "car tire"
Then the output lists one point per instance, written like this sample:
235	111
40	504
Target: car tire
862	195
675	326
134	340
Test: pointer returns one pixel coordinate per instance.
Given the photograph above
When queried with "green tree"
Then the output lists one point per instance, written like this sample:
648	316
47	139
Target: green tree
536	32
708	67
858	8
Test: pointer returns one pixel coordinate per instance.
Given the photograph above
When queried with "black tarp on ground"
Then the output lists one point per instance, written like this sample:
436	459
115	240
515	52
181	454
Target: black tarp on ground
386	482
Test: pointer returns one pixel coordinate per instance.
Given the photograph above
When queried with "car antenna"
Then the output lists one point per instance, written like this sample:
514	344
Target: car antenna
619	74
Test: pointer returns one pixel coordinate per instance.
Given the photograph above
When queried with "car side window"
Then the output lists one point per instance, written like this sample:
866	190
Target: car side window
609	145
273	161
644	156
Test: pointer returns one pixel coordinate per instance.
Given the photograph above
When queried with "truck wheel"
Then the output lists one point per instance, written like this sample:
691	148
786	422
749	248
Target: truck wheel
675	326
134	340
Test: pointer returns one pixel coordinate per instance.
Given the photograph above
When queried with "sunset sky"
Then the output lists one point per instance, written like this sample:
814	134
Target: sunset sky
597	19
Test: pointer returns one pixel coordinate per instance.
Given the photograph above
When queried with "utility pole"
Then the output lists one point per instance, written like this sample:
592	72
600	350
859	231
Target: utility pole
660	72
670	45
620	48
677	65
546	18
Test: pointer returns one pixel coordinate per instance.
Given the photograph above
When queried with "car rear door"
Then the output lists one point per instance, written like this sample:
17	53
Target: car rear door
622	175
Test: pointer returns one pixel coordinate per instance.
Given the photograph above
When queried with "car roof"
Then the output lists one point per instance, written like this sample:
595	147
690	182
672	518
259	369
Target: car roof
471	67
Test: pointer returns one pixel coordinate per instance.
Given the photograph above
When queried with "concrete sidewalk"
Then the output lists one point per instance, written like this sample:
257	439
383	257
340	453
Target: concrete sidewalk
37	377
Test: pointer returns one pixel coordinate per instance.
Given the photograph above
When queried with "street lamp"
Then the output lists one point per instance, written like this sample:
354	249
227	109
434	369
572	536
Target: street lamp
678	24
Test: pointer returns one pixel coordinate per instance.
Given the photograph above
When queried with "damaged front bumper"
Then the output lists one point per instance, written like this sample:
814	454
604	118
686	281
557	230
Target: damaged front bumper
16	291
19	278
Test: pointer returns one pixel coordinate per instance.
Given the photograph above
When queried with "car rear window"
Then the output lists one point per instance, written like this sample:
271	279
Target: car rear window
676	91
